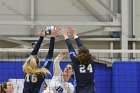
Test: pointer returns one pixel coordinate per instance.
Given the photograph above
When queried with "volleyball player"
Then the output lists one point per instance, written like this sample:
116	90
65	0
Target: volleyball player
6	87
82	63
60	80
34	74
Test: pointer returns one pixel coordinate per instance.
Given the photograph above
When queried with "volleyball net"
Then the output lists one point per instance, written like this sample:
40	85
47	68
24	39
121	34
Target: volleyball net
113	68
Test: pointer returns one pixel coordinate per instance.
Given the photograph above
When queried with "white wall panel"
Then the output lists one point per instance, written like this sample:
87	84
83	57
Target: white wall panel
18	10
15	30
15	10
96	5
137	18
49	10
55	10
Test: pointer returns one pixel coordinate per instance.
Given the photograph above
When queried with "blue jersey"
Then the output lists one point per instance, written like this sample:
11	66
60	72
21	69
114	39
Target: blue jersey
33	83
84	74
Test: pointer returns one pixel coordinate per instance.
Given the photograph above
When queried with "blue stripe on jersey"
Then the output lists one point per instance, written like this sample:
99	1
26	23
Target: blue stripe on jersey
46	62
73	53
41	88
74	82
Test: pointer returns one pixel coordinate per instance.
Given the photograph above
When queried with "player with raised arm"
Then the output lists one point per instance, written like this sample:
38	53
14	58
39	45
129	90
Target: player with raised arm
83	64
34	74
60	80
48	59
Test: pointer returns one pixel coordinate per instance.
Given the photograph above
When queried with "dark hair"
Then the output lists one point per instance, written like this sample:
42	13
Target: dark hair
45	84
84	56
3	86
72	76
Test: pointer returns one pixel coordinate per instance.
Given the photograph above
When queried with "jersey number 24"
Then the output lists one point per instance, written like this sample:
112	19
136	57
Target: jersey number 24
83	69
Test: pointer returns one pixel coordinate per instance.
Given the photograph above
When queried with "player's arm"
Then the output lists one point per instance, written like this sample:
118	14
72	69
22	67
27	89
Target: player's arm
71	50
38	44
48	59
57	69
78	41
73	32
49	56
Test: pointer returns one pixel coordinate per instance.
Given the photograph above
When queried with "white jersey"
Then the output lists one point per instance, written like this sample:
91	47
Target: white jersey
57	84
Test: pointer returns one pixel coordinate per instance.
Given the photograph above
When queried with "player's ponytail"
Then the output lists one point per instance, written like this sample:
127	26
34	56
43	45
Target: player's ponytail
84	56
31	66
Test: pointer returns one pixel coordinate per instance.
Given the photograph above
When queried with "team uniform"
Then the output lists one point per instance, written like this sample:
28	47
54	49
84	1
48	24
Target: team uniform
57	83
33	82
84	74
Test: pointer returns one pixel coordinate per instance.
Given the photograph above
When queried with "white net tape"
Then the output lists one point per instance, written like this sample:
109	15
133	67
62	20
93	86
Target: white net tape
102	55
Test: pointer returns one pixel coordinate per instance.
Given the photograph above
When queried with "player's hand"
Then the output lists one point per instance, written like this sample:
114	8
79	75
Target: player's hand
65	31
42	33
72	30
62	54
56	31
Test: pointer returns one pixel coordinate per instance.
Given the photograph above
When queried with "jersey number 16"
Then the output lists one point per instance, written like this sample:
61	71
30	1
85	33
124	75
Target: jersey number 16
30	77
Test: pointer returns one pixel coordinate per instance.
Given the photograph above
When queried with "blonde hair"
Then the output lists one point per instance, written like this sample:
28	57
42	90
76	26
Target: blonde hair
31	66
